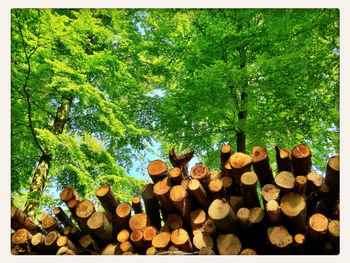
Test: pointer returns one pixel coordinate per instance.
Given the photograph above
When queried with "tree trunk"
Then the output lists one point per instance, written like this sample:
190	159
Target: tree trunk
38	184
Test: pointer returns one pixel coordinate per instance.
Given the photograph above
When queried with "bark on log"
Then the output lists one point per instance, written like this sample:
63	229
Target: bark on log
181	239
136	205
181	160
174	221
197	218
181	200
205	251
151	205
175	175
284	159
261	165
20	220
87	242
123	213
216	189
270	192
299	241
139	222
225	155
50	223
198	192
285	181
274	212
314	181
240	164
62	216
223	216
301	160
203	240
317	233
248	186
236	203
136	238
228	244
279	239
301	184
83	211
293	206
162	191
227	184
332	175
200	172
333	234
69	193
243	217
50	241
162	240
99	225
157	170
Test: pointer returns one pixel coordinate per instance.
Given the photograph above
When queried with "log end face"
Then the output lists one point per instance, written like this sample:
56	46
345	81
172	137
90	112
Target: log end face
103	190
301	151
318	223
157	167
240	160
218	209
292	204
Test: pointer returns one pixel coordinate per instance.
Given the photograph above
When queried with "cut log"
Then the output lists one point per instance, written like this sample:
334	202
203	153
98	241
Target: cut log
197	218
206	251
65	251
62	216
126	246
123	235
181	200
203	240
151	251
227	184
332	175
162	190
261	165
225	155
300	184
123	213
175	175
274	212
41	217
151	205
270	192
200	172
285	181
21	236
174	221
136	205
236	203
112	249
227	171
333	234
240	164
209	227
256	216
228	244
299	241
248	251
185	182
317	232
38	240
243	217
64	241
216	189
198	192
139	222
293	205
83	211
50	223
100	226
301	160
181	239
136	238
20	220
157	170
223	216
87	242
284	159
50	241
161	241
279	239
181	160
314	181
69	193
248	187
148	234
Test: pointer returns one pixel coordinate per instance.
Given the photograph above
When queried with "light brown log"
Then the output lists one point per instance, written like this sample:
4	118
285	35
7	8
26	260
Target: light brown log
203	240
83	211
151	205
181	160
334	234
69	193
227	171
123	213
256	215
139	222
148	234
198	192
216	189
38	240
206	251
51	223
227	184
185	182
248	251
181	239
65	251
223	216
228	244
136	238
181	200
317	232
62	216
279	239
41	217
164	228
332	175
209	227
261	165
225	154
112	249
236	203
20	220
157	170
99	225
87	242
174	221
64	241
151	251
123	235
173	248
270	192
274	212
299	241
240	164
126	246
285	180
21	236
301	160
50	241
243	217
248	185
314	181
175	175
162	190
200	172
293	205
284	159
197	218
161	241
300	184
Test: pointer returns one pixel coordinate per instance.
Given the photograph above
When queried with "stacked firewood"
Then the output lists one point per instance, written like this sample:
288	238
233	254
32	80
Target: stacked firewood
201	212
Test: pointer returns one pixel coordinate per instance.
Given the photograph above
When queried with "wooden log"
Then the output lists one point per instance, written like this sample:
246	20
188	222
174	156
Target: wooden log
228	244
216	189
126	246
248	187
64	241
41	217
314	181
21	236
164	228
206	251
257	230
50	241
139	222
38	241
185	182
317	232
227	170
248	251
162	190
83	211
209	227
301	160
20	220
197	218
181	160
198	192
136	205
274	212
223	216
112	249
284	159
181	239
148	234
157	170
261	165
151	205
200	172
181	200
333	234
75	234
69	193
151	251
299	241
87	242
270	192
51	223
227	184
279	239
175	175
300	184
62	216
236	203
65	251
240	164
136	238
99	225
123	235
162	241
123	213
285	181
243	217
332	176
293	206
174	221
225	154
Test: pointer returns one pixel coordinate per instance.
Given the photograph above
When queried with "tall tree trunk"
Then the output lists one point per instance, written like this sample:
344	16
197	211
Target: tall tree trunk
38	183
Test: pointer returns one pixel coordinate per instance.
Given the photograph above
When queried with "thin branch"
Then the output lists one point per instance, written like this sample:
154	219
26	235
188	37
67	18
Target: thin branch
20	123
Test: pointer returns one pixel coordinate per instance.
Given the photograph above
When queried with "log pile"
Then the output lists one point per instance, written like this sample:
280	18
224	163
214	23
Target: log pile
203	212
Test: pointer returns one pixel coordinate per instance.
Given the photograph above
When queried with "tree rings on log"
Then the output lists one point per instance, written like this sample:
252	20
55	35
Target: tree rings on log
228	244
285	180
138	222
301	159
240	164
157	170
224	217
162	240
69	193
203	240
261	165
248	186
293	205
200	172
181	239
123	213
175	175
279	238
198	192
